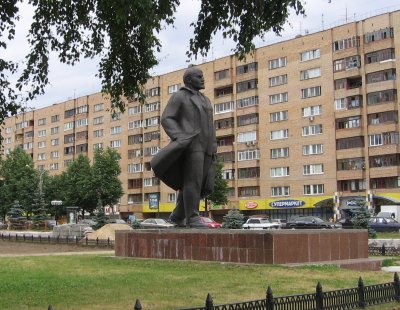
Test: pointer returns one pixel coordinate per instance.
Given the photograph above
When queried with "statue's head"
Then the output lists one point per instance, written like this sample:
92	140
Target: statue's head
193	78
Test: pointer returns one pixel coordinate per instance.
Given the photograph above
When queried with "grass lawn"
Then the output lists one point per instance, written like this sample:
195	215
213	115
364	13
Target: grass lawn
89	282
387	235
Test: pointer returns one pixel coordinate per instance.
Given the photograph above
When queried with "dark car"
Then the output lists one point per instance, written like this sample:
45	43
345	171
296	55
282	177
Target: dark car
346	223
384	224
310	222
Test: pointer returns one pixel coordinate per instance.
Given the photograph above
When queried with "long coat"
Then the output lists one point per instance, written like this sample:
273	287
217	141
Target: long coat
182	122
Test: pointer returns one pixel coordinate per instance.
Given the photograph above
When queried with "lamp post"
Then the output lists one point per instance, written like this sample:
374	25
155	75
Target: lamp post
56	203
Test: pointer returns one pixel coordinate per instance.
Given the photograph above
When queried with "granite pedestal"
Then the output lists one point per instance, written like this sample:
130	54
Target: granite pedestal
246	246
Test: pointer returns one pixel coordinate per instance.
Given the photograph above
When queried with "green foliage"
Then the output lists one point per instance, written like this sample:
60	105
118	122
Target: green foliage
219	194
18	175
15	213
124	36
100	217
233	220
361	218
135	224
39	210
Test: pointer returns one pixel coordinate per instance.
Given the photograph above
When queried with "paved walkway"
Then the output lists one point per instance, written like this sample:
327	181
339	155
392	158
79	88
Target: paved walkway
110	253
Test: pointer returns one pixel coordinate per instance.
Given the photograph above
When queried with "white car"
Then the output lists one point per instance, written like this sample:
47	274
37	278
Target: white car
260	223
156	223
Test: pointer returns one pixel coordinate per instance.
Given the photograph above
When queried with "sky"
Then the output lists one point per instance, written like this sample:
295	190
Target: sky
67	82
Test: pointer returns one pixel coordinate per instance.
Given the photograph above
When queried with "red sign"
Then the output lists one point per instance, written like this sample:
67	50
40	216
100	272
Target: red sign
251	205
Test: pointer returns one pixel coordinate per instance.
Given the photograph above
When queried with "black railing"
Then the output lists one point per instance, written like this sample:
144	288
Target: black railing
351	298
383	251
56	239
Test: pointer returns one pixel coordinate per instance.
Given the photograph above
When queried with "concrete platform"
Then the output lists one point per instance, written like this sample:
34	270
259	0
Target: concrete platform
246	246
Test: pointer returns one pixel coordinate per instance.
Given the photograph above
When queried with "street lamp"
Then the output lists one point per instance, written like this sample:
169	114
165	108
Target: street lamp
56	204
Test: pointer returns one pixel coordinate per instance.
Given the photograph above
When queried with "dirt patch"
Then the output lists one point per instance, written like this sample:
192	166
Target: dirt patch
108	231
25	248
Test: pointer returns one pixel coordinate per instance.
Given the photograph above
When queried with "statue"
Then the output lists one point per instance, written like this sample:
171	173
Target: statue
187	163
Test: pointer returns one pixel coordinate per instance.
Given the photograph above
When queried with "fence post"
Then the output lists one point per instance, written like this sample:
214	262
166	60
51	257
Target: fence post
319	297
76	240
32	238
396	287
138	305
86	239
24	236
50	307
97	241
209	302
108	241
361	293
270	299
383	250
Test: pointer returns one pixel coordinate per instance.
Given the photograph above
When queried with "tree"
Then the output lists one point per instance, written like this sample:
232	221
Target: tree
233	220
125	37
219	194
39	208
18	176
78	190
105	172
361	218
100	217
15	214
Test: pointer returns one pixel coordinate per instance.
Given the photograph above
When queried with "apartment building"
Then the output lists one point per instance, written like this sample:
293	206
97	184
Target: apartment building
304	126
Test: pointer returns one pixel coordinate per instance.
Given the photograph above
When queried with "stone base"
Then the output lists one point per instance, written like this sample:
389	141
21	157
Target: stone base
244	246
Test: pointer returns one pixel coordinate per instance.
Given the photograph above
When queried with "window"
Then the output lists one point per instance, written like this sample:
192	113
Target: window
69	126
311	92
224	123
171	197
228	174
249	191
349	143
316	189
98	133
97	146
378	56
384	160
278	98
152	121
69	138
135	124
388	95
383	117
248	154
149	136
41	121
82	109
151	181
247	102
98	107
247	68
381	76
247	119
135	110
313	149
280	152
226	157
54	166
247	136
28	146
390	182
116	116
151	151
132	168
220	75
115	143
279	134
135	139
249	173
116	130
29	134
278	116
81	122
225	140
313	169
311	111
278	80
41	144
310	74
377	35
311	130
346	43
173	88
348	122
277	63
279	191
150	107
55	118
54	130
41	133
69	113
224	107
54	142
246	85
278	172
384	138
309	55
41	156
155	91
347	63
351	164
135	153
7	140
8	130
98	120
223	91
354	185
54	154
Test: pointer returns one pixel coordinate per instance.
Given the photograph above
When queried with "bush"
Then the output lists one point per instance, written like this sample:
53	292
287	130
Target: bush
233	220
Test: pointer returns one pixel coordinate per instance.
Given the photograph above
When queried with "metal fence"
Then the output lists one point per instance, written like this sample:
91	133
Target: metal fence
383	251
351	298
33	238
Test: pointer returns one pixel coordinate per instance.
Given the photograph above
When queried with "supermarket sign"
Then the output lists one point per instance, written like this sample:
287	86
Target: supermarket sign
287	203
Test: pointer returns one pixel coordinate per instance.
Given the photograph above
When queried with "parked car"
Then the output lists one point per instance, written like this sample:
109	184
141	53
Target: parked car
346	223
310	222
3	225
282	222
384	224
260	223
210	222
156	223
117	221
